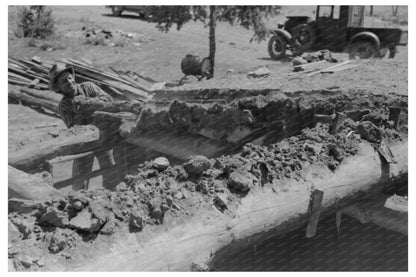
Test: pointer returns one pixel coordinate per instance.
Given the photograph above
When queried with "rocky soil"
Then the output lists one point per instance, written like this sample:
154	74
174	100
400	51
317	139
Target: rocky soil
60	230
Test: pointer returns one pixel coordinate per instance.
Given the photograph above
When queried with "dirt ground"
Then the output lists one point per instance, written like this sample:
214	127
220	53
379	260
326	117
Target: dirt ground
158	56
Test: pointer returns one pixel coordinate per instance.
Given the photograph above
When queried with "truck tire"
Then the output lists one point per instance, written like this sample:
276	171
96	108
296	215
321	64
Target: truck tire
277	47
362	50
304	37
116	10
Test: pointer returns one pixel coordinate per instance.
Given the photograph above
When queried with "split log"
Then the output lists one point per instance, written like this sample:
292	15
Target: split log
32	187
374	211
34	101
262	213
397	203
78	139
46	95
180	147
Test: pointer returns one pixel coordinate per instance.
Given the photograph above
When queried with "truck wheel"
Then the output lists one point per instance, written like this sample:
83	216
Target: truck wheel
116	10
277	47
362	50
304	37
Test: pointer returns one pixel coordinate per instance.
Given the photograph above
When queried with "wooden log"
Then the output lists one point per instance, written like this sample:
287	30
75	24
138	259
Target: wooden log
373	210
22	206
34	101
47	95
397	203
26	186
78	139
261	214
86	108
180	147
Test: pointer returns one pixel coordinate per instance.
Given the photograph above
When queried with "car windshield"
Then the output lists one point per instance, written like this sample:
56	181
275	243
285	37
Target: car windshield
325	11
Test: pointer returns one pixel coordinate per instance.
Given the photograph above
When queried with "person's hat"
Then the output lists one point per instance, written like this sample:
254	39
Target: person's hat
54	72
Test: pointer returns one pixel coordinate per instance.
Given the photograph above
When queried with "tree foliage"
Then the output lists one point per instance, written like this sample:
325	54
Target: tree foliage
249	17
35	21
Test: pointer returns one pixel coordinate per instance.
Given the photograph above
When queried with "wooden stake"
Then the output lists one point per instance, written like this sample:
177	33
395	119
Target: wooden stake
337	123
315	205
394	115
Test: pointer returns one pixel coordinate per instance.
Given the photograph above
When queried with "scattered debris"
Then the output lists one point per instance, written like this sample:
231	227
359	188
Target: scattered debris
258	73
368	131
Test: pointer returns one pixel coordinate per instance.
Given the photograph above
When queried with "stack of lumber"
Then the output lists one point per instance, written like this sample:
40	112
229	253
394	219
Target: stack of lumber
33	73
314	68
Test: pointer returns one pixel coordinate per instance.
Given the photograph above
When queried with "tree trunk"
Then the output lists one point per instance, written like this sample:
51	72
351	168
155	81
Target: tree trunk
212	25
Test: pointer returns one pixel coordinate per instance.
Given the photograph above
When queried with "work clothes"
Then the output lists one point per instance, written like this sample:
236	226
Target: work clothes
87	89
84	165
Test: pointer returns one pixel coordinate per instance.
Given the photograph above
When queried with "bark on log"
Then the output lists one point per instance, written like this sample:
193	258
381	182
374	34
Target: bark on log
43	94
35	101
374	211
79	139
261	213
31	187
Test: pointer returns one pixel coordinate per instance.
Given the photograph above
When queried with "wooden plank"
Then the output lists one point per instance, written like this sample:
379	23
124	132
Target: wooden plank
64	159
19	77
329	68
394	115
341	68
134	83
78	139
14	82
145	77
310	66
337	123
70	181
315	205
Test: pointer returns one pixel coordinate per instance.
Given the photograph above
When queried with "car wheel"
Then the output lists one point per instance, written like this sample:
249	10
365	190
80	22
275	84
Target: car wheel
304	37
277	47
362	50
116	10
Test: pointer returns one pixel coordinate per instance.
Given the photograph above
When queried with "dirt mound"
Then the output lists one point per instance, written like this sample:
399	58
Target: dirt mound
158	192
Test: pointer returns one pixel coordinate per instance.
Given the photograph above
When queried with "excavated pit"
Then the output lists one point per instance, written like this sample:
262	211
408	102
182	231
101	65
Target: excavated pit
264	143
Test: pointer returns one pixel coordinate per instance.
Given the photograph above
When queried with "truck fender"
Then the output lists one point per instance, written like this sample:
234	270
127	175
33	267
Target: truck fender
283	33
365	36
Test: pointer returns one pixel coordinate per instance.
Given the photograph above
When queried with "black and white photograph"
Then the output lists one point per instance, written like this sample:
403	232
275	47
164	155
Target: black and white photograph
177	137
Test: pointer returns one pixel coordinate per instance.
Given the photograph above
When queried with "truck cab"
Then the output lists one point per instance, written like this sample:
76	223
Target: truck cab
338	29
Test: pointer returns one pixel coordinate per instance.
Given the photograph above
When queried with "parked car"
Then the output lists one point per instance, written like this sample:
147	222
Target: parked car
118	10
338	29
